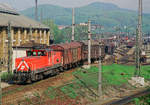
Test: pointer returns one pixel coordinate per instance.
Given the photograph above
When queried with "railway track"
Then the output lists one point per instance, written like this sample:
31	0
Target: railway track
13	94
125	100
44	81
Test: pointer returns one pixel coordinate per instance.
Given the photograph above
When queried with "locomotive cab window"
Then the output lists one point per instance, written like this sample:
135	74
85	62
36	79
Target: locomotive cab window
34	53
29	53
39	53
42	53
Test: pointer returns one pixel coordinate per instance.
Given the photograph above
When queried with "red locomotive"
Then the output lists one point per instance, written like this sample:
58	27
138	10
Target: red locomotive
52	60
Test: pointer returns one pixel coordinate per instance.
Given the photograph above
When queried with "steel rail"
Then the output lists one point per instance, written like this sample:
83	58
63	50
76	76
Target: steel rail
128	99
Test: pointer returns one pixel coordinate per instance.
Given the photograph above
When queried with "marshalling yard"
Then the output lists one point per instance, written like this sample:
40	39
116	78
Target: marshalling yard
112	70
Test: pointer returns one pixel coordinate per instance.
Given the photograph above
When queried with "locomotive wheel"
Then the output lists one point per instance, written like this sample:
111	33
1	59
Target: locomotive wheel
61	69
73	65
57	71
76	64
41	76
70	66
33	78
65	68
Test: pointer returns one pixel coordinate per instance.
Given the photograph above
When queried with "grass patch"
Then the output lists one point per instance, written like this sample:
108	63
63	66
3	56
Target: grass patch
117	74
112	75
144	100
145	72
69	90
12	91
51	92
88	76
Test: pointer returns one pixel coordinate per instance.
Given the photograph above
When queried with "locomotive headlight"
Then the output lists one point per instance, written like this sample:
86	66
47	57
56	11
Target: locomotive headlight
22	67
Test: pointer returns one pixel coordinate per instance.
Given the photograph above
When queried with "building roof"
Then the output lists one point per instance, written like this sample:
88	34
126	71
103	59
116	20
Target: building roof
8	14
5	8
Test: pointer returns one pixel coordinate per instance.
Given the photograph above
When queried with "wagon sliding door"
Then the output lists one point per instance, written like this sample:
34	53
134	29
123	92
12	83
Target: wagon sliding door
75	55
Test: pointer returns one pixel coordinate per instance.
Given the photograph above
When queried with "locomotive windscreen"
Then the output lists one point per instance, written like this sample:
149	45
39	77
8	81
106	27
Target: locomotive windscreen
36	53
29	53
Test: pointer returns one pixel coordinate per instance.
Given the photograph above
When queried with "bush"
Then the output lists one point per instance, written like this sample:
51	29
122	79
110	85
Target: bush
144	100
6	76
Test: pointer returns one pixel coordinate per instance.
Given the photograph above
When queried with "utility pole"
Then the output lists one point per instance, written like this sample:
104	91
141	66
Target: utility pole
0	89
137	71
140	24
9	48
89	42
73	24
139	41
36	10
100	68
30	36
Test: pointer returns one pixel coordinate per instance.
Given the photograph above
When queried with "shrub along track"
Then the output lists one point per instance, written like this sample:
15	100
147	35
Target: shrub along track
15	93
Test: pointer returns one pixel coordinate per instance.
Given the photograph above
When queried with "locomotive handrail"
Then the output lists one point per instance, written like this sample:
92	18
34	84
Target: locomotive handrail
31	65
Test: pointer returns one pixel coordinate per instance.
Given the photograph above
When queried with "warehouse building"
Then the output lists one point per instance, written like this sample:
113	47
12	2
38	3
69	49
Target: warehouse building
16	30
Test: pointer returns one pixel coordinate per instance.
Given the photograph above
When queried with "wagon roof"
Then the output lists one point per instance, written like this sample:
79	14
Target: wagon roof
93	42
68	45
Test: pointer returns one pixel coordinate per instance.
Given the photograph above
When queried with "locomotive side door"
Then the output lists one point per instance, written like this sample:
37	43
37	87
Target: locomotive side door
49	58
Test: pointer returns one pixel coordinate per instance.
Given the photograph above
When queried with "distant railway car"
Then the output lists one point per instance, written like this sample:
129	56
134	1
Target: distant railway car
109	49
94	50
131	44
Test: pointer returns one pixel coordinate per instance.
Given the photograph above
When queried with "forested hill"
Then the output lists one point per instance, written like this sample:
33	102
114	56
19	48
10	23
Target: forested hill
106	14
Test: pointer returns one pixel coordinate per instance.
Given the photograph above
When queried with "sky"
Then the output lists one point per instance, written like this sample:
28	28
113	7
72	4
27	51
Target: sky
128	4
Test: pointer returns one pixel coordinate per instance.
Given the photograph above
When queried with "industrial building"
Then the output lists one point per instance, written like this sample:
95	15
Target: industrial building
16	30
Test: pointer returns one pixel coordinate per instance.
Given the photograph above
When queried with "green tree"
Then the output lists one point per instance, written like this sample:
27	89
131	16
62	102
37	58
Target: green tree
81	33
56	34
